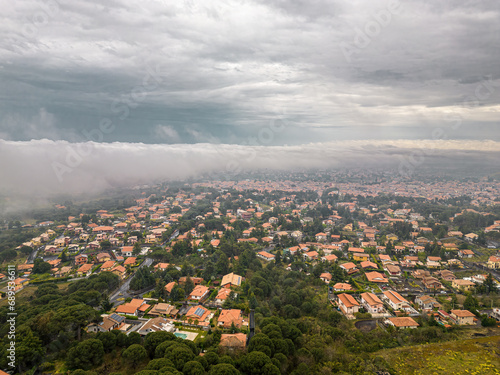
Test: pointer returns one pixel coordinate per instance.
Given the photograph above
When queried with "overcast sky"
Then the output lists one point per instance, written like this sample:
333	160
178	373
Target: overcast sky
264	73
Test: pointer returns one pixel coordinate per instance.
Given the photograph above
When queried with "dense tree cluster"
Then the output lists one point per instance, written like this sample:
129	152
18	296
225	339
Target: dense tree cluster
50	326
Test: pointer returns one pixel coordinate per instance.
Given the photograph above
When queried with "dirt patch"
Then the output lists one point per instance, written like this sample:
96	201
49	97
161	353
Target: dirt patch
366	325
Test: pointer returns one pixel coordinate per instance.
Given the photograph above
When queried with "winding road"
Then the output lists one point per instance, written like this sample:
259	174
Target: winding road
122	291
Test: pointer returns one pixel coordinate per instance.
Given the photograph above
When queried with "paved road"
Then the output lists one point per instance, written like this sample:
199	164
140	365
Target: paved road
122	291
32	257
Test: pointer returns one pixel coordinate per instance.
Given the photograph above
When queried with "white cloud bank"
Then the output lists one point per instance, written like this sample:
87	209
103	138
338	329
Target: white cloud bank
45	167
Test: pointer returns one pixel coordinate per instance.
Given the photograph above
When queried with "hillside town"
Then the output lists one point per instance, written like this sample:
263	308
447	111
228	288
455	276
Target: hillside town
197	260
377	254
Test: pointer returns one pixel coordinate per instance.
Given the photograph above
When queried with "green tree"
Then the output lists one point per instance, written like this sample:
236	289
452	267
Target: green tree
189	286
133	338
39	266
252	301
121	339
212	358
105	244
106	304
261	343
108	340
26	250
254	363
489	284
136	249
177	293
471	303
222	265
223	369
159	363
179	355
85	355
134	355
29	349
154	339
193	368
488	322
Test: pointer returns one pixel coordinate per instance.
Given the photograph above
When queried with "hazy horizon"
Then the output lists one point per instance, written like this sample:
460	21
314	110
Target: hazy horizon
100	94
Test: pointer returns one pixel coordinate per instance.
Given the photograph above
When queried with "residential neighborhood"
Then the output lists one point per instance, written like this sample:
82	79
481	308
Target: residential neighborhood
196	260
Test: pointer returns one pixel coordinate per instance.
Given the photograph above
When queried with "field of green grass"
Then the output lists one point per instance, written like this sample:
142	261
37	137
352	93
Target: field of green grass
477	356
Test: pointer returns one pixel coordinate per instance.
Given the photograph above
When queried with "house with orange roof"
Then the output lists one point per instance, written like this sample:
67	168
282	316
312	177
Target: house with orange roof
376	277
330	258
395	300
347	304
363	257
85	269
234	341
199	293
143	308
431	283
21	281
103	257
231	280
368	264
163	309
402	322
463	285
119	271
130	261
195	280
27	267
311	255
462	317
339	287
266	256
222	296
349	267
127	251
54	262
135	226
229	317
392	270
200	314
102	229
353	250
161	266
326	277
107	266
81	259
170	286
130	308
493	262
372	303
320	237
467	253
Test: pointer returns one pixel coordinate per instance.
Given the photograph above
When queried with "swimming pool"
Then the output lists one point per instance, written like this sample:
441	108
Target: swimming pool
181	335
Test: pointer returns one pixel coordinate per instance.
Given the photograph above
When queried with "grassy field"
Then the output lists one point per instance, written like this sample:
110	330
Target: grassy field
478	356
485	254
21	296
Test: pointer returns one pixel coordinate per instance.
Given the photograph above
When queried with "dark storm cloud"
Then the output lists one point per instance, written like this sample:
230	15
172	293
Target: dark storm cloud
221	70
